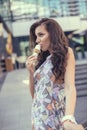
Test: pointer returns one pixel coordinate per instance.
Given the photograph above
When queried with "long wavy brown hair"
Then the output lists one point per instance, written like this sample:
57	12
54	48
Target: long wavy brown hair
59	45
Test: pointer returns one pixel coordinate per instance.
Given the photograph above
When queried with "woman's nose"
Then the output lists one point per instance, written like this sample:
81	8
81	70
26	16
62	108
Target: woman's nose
37	40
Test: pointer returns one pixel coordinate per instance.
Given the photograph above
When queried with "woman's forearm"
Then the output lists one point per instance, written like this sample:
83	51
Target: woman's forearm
31	85
70	100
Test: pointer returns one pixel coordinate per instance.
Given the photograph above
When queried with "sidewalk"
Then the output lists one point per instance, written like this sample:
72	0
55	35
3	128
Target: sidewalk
15	102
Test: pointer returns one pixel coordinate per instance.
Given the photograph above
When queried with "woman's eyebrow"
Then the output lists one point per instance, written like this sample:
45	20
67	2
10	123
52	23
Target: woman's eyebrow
39	33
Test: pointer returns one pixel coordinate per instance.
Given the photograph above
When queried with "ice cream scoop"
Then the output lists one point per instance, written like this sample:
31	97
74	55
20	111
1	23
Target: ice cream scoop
36	50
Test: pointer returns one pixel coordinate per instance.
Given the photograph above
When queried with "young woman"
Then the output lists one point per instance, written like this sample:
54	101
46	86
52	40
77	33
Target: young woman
52	79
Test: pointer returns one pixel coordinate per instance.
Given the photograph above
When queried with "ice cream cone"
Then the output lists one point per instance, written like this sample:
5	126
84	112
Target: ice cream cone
36	50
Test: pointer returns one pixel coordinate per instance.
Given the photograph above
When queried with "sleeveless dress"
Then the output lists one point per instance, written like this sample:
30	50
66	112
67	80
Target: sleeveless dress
48	105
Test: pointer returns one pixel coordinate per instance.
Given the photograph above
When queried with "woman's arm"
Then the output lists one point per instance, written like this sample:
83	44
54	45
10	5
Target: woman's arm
70	90
30	64
31	85
70	93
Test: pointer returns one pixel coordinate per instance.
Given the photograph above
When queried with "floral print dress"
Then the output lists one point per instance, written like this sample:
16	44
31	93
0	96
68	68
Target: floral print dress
48	105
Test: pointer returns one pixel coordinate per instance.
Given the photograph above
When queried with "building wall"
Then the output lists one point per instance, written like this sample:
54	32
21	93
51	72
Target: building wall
67	24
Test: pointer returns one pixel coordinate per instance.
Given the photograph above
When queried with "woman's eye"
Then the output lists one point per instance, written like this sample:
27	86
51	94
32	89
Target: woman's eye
41	34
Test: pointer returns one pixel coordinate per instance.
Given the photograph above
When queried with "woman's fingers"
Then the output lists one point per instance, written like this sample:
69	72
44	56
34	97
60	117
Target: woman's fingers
31	59
30	63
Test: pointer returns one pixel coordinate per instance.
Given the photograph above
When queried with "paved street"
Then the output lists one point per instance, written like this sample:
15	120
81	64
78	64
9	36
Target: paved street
15	103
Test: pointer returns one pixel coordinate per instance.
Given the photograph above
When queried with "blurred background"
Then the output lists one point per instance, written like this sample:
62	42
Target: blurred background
71	15
16	17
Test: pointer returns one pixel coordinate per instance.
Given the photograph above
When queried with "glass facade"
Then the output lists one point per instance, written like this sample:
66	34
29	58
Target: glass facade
33	9
5	9
5	12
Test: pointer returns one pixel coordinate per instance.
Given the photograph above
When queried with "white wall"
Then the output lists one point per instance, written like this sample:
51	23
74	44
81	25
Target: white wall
21	28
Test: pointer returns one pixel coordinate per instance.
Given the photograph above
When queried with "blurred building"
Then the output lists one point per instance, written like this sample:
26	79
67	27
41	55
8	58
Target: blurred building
20	14
32	9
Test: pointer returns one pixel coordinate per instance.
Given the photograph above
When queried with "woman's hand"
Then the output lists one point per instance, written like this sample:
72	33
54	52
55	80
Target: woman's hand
30	63
71	126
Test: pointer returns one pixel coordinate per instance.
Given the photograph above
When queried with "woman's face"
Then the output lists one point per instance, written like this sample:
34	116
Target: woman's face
42	38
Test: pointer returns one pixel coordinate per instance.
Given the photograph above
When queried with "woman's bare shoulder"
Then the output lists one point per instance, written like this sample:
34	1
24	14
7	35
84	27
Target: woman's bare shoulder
71	56
70	51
